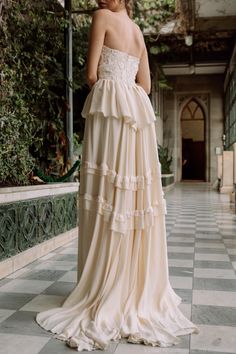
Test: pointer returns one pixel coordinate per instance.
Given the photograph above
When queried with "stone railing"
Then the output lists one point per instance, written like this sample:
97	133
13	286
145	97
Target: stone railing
34	220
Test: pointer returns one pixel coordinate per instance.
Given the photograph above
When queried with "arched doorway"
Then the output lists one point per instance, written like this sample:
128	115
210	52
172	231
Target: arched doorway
193	141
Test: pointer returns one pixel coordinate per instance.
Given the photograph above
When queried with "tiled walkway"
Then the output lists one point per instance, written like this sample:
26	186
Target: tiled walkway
201	229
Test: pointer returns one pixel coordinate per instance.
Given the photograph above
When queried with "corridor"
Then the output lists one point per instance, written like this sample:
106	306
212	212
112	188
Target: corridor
201	230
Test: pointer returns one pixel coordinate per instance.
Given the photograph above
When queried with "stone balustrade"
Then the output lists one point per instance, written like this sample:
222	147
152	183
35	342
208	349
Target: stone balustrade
34	220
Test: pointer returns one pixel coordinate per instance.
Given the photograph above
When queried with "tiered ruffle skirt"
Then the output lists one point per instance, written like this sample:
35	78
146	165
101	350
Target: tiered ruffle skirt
123	288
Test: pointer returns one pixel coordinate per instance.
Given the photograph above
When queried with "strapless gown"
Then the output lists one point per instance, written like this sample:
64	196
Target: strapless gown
123	288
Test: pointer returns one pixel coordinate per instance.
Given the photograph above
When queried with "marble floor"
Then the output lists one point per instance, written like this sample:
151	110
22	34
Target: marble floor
201	229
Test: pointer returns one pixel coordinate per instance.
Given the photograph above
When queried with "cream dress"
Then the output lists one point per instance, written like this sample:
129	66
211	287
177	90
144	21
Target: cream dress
123	288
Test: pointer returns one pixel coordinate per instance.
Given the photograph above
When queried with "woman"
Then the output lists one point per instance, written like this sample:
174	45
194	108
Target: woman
123	288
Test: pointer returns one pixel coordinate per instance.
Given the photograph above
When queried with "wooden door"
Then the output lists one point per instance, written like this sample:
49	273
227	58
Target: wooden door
193	141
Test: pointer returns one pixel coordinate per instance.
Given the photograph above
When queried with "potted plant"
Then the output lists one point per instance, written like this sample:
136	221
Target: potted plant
167	175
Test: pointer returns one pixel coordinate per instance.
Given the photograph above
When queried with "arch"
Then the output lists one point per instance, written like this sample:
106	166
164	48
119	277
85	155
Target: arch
192	111
198	99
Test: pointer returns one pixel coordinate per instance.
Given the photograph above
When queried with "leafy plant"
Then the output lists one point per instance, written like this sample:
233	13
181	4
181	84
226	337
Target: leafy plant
17	127
32	100
164	159
77	143
32	89
150	15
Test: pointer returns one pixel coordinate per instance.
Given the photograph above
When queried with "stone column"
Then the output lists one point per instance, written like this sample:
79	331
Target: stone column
219	166
227	172
219	170
234	167
234	163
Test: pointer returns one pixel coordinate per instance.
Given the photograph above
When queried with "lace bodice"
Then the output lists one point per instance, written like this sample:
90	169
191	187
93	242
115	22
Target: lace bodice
117	65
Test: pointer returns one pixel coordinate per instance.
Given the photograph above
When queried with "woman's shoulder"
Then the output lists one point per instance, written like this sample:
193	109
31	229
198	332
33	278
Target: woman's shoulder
138	29
102	13
139	34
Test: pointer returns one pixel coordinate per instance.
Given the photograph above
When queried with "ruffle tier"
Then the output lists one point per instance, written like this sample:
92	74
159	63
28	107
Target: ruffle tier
130	220
133	105
132	183
120	174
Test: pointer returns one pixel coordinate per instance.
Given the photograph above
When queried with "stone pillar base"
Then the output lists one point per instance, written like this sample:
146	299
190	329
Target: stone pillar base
227	173
226	189
232	197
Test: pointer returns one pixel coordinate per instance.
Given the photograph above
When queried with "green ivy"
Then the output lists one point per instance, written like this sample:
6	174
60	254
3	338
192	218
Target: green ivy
32	98
151	15
17	126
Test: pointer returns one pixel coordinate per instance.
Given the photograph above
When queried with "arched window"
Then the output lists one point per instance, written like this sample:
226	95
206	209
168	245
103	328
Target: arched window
192	121
192	111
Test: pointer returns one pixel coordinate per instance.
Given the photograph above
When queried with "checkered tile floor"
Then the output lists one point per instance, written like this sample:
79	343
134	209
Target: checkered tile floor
201	229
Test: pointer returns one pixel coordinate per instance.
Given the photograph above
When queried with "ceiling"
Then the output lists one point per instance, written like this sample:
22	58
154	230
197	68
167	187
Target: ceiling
212	26
214	8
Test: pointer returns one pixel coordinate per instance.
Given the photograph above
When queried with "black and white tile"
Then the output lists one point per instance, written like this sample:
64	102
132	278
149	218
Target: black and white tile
201	229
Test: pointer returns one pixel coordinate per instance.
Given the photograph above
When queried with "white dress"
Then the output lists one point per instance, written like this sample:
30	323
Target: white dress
123	288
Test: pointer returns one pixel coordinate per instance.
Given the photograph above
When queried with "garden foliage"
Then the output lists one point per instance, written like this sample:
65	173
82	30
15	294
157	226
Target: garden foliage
32	100
32	83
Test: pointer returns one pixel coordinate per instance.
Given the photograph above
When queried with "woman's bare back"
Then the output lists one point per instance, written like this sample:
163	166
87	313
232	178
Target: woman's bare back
124	35
116	30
